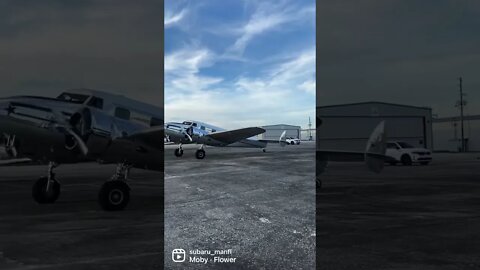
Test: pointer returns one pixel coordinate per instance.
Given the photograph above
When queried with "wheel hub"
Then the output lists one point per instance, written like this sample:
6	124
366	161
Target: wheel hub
115	196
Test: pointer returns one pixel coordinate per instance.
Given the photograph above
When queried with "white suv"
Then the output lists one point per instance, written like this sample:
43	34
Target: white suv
407	154
292	141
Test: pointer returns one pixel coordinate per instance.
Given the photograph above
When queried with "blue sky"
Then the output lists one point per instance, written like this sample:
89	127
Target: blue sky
240	63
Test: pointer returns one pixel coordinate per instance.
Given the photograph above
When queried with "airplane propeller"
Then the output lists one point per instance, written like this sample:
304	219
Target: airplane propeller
185	132
63	122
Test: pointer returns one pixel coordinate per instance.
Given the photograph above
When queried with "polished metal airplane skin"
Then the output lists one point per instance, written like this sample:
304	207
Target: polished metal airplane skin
83	125
196	132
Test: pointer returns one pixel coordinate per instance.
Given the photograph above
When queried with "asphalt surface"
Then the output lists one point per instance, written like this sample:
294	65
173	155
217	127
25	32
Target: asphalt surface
261	206
74	233
419	217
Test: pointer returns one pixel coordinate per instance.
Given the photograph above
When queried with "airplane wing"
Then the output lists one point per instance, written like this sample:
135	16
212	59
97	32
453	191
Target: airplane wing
374	155
6	162
152	137
235	135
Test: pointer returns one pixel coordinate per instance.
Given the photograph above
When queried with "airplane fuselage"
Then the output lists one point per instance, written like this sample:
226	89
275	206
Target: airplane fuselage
34	127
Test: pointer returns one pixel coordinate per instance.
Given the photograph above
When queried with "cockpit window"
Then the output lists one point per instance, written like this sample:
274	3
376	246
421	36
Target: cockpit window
96	102
73	98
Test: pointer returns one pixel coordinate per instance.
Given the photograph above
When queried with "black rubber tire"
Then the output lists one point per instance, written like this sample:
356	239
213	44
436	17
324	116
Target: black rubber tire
406	160
318	183
178	152
424	163
114	195
39	193
200	154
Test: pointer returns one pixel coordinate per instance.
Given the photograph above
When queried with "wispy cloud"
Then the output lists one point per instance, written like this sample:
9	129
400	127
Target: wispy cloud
182	71
248	100
267	17
172	18
209	77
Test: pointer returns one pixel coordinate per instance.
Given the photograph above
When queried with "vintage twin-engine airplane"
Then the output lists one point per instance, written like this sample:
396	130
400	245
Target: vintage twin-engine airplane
374	155
83	125
190	132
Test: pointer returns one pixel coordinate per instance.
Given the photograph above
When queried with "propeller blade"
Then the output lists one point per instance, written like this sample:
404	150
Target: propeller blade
188	136
80	142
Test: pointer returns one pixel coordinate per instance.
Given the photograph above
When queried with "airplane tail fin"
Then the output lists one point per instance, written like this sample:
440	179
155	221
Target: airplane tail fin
376	148
282	140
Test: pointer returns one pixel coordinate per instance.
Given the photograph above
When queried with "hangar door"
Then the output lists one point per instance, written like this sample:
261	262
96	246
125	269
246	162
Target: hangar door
351	133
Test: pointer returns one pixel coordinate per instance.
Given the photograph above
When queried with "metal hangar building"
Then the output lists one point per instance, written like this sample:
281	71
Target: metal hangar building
348	126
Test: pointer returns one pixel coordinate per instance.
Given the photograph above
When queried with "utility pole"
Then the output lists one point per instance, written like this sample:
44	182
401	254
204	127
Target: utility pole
461	114
310	128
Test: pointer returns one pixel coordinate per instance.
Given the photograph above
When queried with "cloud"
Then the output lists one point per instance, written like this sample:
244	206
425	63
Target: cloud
172	19
244	101
182	70
267	17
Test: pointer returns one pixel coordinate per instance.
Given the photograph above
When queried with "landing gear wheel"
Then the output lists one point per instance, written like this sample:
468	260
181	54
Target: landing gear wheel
318	183
200	154
40	193
178	152
406	160
114	195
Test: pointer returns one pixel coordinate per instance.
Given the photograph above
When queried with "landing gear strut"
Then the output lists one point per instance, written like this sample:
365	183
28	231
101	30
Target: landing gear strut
114	195
200	153
46	189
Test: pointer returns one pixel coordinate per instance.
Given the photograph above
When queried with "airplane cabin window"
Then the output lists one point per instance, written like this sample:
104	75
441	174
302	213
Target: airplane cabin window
122	113
96	102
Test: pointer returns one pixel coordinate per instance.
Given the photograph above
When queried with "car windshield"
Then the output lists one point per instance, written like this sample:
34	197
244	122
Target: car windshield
405	145
74	98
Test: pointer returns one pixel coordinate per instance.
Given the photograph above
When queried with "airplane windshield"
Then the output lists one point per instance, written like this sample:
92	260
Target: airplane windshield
73	98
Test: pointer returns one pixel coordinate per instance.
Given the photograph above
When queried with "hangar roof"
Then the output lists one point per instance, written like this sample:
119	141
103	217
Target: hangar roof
375	102
373	109
282	126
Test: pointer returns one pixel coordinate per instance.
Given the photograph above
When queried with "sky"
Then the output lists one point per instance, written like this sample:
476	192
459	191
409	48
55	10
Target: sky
401	51
52	45
235	64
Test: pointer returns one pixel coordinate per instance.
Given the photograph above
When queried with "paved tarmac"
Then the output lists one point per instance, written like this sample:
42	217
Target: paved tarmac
74	233
419	217
261	206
